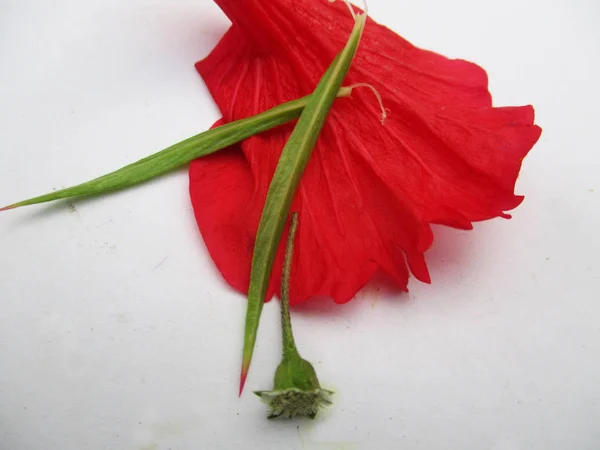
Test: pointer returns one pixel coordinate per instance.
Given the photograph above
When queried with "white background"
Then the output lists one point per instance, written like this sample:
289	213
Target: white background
117	332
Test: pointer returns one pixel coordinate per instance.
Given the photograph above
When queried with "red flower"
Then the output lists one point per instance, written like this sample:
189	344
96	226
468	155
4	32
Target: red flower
370	192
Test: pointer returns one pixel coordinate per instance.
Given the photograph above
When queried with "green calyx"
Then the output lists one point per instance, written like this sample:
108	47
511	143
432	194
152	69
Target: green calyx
296	390
295	373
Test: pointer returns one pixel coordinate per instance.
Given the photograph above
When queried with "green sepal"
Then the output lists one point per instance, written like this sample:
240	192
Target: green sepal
295	372
296	390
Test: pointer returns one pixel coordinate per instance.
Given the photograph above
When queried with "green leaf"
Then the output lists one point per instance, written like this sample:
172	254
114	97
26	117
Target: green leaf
181	153
293	160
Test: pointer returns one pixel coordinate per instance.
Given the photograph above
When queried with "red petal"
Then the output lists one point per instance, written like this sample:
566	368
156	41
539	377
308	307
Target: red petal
331	258
220	195
369	192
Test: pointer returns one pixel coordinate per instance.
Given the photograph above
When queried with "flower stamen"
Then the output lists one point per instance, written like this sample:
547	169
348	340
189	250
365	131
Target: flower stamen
384	110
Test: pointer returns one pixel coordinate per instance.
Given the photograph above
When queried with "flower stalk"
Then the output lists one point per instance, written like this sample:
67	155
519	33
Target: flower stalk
296	388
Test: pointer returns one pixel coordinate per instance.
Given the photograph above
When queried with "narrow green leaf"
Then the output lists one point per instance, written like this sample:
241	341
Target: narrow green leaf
293	160
181	153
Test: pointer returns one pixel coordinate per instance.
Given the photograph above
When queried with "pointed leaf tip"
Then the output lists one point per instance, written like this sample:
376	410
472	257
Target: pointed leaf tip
6	208
243	377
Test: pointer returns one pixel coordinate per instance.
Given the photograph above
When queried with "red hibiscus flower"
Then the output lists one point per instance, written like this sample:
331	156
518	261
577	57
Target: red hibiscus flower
370	192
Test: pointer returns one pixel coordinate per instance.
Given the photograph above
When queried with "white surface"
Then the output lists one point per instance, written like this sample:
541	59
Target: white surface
116	331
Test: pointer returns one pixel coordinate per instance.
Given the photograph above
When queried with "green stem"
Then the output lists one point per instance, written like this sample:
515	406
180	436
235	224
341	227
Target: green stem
181	153
296	388
289	346
293	160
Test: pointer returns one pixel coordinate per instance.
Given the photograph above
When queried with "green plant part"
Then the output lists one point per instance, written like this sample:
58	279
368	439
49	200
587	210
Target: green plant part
179	154
291	165
296	390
